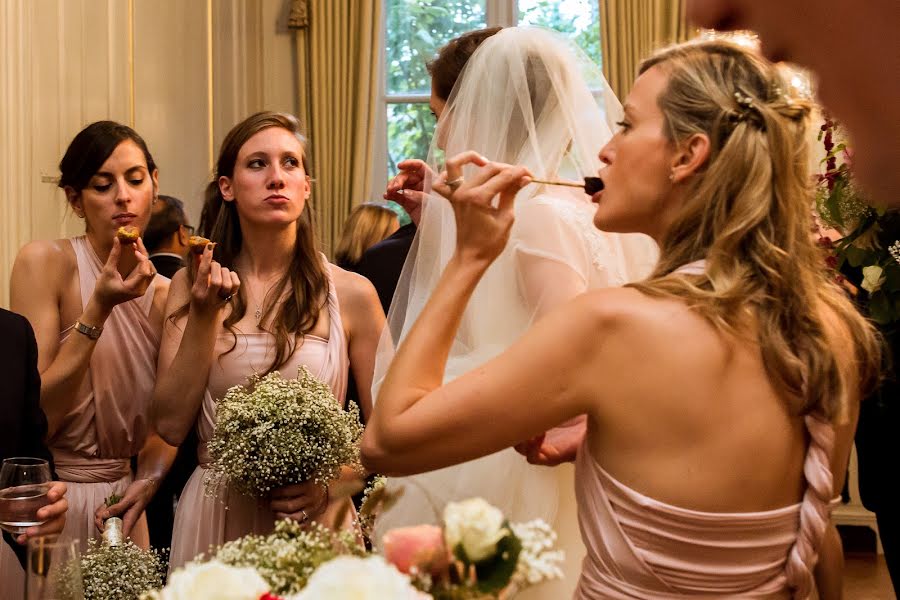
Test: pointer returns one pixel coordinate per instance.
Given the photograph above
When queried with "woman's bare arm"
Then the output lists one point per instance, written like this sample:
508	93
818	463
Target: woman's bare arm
188	346
364	322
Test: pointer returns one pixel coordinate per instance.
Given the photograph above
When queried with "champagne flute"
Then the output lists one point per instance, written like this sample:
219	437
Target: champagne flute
24	483
53	569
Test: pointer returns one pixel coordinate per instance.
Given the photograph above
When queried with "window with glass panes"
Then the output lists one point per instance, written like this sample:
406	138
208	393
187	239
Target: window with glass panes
416	29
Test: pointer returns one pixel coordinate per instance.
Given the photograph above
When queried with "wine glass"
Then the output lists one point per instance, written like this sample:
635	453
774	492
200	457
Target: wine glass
24	483
53	569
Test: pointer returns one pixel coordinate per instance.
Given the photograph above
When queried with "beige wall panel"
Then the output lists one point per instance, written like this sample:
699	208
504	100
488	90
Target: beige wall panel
66	63
14	146
278	59
253	62
237	86
171	88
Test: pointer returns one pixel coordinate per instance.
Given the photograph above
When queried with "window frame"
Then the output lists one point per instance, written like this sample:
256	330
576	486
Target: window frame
498	13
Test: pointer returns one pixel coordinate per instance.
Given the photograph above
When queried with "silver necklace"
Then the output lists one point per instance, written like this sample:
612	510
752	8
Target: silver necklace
258	312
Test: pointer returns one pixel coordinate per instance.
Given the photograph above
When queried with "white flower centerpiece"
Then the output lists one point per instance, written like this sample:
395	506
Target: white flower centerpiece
479	554
287	558
212	580
357	578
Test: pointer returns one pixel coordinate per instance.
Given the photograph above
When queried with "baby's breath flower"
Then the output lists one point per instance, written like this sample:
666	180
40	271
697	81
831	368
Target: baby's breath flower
289	556
277	431
894	249
538	561
121	572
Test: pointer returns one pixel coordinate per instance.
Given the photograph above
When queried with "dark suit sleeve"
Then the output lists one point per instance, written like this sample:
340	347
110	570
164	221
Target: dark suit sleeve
34	422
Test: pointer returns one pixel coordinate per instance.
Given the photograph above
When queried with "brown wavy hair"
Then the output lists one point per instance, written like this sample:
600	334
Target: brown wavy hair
749	215
306	277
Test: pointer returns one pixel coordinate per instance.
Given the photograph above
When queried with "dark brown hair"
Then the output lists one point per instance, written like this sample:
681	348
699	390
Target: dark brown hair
452	57
168	218
306	277
91	147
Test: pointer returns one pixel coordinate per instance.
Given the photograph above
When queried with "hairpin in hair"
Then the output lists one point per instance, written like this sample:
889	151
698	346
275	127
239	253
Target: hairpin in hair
743	101
747	110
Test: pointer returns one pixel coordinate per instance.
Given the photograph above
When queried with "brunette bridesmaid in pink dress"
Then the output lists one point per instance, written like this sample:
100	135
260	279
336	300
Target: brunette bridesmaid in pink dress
289	307
96	306
721	393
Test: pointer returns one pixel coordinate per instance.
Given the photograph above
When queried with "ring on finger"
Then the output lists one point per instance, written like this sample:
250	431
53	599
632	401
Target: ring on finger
454	184
305	516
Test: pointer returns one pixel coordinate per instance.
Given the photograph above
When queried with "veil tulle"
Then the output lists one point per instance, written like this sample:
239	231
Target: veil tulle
527	96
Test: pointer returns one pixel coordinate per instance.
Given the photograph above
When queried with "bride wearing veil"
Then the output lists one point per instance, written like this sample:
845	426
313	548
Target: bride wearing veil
524	97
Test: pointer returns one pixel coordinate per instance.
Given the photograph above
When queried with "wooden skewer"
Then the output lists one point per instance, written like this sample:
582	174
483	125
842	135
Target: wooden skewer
591	185
566	183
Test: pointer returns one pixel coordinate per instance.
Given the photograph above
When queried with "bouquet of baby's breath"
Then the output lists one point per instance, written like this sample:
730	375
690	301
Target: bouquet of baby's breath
113	568
121	572
277	431
289	556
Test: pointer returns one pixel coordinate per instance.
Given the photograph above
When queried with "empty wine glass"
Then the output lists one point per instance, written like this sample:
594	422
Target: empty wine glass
53	569
24	483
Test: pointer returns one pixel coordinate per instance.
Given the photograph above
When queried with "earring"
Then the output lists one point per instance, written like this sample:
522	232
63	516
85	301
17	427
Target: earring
671	176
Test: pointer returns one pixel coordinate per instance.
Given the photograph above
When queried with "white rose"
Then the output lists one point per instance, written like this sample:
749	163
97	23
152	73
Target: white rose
354	578
212	581
872	278
476	525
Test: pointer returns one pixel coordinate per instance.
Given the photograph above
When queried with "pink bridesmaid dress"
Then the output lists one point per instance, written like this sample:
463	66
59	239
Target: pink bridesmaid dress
204	521
639	547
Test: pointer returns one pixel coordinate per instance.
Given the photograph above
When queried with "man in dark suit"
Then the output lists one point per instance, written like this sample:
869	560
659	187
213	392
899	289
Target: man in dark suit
22	422
166	236
381	264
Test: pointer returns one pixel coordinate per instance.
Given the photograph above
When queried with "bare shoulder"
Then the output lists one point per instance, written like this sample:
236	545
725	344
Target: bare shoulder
627	310
625	328
161	291
46	261
354	291
55	255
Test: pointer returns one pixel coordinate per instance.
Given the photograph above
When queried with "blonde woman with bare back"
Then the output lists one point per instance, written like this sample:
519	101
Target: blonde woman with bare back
721	392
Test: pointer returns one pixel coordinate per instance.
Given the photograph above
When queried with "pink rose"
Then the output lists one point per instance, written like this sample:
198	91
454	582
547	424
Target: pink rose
421	548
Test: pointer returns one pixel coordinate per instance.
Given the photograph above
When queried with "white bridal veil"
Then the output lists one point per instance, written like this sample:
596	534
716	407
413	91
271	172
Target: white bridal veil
527	96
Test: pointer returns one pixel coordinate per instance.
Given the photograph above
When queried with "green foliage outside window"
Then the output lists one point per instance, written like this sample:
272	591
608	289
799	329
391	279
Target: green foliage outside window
416	29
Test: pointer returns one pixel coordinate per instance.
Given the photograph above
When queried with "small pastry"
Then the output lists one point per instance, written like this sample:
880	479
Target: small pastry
198	244
128	235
